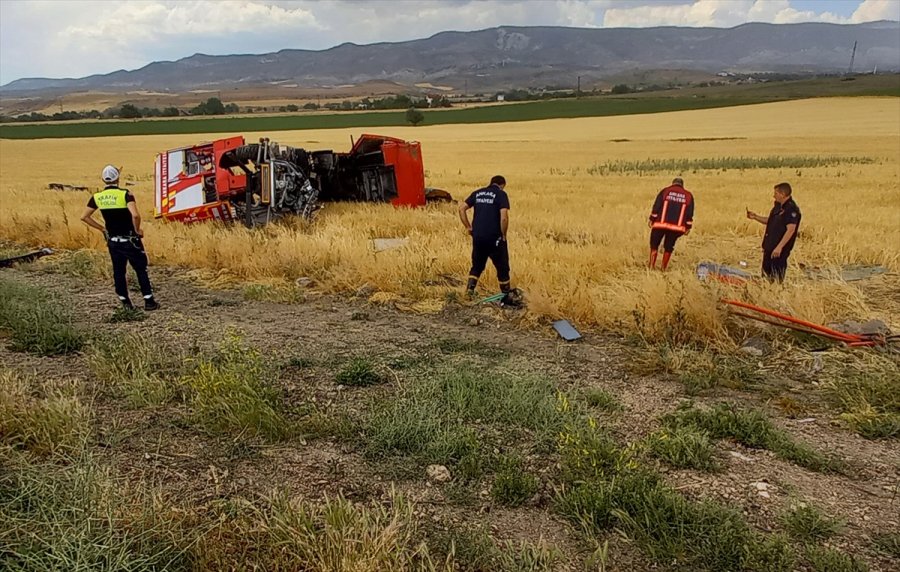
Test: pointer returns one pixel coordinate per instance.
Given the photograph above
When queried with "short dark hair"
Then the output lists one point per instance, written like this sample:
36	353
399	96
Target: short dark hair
498	180
784	189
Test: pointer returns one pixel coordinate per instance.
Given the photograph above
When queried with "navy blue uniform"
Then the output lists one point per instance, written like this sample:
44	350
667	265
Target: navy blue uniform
779	218
487	237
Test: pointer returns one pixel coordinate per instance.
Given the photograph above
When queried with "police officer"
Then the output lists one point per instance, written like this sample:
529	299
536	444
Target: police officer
123	235
782	226
671	218
488	229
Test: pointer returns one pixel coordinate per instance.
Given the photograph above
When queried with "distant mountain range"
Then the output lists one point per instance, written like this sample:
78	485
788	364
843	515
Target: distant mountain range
517	57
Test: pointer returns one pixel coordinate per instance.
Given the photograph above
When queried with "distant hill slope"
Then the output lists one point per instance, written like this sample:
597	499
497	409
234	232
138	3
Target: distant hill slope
511	56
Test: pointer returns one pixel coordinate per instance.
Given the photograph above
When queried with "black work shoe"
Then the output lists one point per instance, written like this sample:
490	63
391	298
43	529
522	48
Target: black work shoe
127	304
150	304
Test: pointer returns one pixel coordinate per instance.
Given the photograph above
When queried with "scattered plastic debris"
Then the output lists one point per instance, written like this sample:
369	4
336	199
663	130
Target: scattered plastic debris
566	330
727	274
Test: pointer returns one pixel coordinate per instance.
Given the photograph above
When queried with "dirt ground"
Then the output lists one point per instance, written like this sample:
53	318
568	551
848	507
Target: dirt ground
194	467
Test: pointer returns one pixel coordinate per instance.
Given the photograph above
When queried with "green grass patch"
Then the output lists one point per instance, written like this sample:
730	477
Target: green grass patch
889	543
605	487
359	372
320	423
454	417
141	369
234	391
807	523
866	389
831	560
525	401
279	532
697	370
456	346
684	447
36	321
78	517
301	362
752	428
513	485
42	422
587	452
282	294
473	549
669	528
123	315
602	399
85	264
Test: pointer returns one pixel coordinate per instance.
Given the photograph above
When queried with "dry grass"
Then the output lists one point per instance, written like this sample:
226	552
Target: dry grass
577	239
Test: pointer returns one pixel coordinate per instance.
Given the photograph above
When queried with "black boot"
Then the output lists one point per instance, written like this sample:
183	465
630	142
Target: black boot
150	304
126	303
470	287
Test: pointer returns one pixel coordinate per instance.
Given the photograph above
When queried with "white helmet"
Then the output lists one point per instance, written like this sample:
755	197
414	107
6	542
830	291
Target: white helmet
110	174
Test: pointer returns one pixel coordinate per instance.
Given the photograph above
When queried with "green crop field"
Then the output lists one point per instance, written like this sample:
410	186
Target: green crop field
653	102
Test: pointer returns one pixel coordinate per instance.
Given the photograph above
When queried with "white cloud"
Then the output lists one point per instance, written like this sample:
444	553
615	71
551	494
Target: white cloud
781	12
699	13
873	10
728	13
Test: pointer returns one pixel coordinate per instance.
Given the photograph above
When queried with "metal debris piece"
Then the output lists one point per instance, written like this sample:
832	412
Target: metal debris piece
65	187
566	330
22	258
722	273
382	244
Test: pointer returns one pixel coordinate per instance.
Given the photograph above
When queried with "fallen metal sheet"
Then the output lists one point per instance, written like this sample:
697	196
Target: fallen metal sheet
848	273
722	273
566	330
382	244
23	258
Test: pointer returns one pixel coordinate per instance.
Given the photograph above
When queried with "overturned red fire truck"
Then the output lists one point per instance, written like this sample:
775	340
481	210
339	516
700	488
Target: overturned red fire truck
230	180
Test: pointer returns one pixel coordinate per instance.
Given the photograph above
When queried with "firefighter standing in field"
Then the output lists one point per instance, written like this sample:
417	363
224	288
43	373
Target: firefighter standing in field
123	235
782	225
488	228
671	218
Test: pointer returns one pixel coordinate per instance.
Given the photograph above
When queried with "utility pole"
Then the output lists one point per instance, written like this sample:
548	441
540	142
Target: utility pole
466	90
578	90
852	57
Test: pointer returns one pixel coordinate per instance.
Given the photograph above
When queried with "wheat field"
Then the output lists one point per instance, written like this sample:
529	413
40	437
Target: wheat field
580	191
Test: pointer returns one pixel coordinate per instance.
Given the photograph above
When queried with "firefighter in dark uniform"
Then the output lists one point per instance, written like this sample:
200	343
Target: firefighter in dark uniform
488	229
782	226
671	218
123	235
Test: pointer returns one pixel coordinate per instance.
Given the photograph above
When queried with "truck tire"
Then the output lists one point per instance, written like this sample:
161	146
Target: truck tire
246	153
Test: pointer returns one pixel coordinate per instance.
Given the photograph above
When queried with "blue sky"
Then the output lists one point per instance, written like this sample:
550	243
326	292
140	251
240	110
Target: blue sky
76	38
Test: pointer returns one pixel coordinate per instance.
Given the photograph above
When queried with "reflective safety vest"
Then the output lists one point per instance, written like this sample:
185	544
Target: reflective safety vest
111	198
673	209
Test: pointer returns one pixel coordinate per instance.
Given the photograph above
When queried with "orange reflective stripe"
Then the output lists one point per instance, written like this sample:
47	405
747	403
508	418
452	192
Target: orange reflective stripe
665	208
681	216
668	226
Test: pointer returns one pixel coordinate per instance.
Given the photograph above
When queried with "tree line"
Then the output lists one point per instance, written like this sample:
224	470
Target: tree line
212	106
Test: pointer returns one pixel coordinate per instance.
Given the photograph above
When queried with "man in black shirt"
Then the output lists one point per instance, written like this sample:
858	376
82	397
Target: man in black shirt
782	226
488	229
123	235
